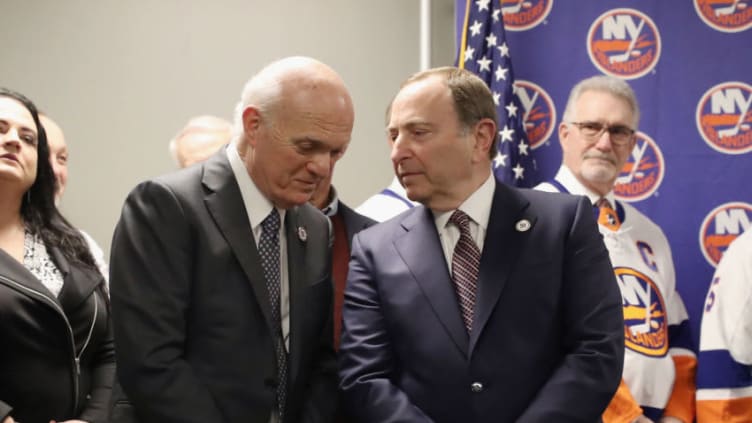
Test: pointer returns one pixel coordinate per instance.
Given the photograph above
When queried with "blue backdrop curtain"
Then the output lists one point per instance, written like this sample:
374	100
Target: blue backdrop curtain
690	63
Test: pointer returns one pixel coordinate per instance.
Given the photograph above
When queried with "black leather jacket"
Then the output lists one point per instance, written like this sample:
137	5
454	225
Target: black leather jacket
57	356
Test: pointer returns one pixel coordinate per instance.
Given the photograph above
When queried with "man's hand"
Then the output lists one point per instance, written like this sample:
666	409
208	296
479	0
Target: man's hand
9	419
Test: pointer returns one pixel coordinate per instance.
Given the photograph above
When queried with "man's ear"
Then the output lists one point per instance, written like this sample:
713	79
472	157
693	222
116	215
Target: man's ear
564	131
251	123
485	132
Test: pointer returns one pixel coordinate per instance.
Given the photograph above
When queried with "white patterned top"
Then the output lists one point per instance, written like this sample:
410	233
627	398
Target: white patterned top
39	263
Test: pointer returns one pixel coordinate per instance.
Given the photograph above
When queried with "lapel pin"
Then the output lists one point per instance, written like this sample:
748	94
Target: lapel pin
302	234
522	225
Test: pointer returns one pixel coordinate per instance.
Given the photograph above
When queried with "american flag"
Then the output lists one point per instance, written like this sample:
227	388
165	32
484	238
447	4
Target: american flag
484	51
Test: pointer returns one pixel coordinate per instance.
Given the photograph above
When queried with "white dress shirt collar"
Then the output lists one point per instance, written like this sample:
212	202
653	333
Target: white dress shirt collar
257	206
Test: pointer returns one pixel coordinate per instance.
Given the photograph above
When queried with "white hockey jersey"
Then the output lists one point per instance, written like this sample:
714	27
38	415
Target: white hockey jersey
659	364
724	372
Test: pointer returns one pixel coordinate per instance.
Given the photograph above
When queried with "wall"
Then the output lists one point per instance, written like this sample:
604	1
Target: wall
122	78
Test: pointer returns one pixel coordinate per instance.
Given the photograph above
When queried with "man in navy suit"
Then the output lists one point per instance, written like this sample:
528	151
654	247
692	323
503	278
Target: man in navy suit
505	311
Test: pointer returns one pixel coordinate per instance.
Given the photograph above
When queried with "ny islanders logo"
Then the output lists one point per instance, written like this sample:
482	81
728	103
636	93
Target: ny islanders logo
725	15
624	43
540	115
521	15
643	172
645	323
721	226
724	118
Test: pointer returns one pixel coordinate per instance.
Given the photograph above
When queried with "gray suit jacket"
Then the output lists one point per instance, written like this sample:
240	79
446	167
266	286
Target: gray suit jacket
191	310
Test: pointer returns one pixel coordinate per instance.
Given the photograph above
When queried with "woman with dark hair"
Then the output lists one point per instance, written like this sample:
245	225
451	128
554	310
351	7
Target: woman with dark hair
57	357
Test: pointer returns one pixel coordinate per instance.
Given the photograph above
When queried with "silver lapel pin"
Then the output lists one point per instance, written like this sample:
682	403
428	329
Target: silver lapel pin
522	225
302	234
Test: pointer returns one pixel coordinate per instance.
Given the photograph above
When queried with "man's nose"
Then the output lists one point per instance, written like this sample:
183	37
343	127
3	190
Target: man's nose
604	141
320	164
399	149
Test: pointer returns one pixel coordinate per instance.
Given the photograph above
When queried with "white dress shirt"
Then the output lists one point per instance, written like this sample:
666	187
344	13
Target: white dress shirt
258	207
478	208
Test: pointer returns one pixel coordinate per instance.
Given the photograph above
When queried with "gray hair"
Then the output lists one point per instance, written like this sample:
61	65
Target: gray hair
262	91
607	84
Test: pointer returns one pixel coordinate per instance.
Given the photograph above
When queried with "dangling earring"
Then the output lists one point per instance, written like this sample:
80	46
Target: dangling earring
28	196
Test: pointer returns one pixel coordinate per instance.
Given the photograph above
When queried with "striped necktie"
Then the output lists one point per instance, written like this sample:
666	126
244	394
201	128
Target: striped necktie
465	264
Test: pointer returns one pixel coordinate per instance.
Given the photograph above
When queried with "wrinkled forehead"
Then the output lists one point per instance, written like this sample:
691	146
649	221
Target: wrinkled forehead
424	99
599	105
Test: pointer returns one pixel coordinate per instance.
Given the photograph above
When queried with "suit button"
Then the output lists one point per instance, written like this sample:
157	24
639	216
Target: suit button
476	387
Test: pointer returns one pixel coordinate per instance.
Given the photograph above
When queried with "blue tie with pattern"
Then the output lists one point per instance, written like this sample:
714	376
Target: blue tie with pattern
269	251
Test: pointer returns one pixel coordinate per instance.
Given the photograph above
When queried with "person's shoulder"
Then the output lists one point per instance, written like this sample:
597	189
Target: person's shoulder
381	207
349	214
739	252
538	198
394	226
178	183
638	219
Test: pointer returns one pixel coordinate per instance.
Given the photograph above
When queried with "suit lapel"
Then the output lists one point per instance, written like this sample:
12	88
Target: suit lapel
226	207
296	276
501	249
420	241
78	284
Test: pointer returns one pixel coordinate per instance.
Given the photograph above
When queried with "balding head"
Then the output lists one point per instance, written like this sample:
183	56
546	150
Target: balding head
58	154
201	137
292	124
292	80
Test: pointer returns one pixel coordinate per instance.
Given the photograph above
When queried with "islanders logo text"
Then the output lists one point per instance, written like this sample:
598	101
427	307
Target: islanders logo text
643	171
645	323
521	15
540	115
721	226
724	118
725	15
624	43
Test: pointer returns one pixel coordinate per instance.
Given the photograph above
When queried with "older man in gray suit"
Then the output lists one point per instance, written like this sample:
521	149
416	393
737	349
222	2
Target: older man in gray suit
221	286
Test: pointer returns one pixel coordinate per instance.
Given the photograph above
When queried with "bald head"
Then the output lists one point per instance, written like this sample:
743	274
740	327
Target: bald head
292	124
58	154
201	137
293	81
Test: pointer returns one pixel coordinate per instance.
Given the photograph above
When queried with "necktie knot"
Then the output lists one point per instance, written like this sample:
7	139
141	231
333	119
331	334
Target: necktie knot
462	220
606	215
603	202
271	223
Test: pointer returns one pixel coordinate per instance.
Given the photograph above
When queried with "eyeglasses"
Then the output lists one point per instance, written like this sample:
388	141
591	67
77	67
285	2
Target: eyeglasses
619	134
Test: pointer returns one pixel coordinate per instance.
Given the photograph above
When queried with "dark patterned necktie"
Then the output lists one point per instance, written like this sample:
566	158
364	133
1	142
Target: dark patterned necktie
269	251
465	264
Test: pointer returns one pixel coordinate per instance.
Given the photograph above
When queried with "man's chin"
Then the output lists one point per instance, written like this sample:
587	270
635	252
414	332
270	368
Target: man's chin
414	194
599	174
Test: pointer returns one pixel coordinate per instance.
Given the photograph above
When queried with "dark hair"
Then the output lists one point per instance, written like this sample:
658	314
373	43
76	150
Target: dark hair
38	205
